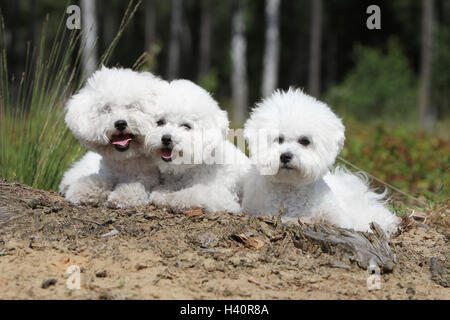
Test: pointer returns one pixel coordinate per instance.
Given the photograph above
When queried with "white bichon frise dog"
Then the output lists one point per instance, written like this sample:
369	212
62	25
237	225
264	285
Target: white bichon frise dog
198	167
295	140
110	117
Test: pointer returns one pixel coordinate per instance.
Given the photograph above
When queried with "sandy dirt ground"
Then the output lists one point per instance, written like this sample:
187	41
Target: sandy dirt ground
148	253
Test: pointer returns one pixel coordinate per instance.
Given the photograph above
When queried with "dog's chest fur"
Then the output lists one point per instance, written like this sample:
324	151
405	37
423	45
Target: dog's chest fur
265	198
135	169
180	179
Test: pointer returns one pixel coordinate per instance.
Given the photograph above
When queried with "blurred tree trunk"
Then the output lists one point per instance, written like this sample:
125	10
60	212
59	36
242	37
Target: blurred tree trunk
13	38
150	23
331	58
89	35
427	116
34	23
315	48
239	86
186	50
173	61
109	23
205	38
272	50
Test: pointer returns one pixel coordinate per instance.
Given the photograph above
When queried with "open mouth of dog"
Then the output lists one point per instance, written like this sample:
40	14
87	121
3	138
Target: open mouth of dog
122	141
166	154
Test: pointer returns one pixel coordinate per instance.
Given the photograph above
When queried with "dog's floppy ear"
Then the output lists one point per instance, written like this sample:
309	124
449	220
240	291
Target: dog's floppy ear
250	134
332	139
339	136
78	112
216	129
340	139
221	122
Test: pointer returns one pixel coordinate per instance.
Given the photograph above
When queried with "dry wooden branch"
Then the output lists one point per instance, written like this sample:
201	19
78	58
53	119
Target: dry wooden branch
12	219
367	249
439	273
87	220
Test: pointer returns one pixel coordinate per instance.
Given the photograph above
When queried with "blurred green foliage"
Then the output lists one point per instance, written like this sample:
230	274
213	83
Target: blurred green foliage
150	62
378	101
414	162
380	84
441	72
36	147
209	81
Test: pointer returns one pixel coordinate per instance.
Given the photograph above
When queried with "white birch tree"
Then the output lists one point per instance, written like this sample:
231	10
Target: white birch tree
427	116
239	86
150	23
315	49
89	36
205	38
272	48
173	61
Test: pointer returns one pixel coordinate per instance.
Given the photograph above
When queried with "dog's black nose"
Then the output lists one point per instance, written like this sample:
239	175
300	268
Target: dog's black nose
166	139
120	125
286	157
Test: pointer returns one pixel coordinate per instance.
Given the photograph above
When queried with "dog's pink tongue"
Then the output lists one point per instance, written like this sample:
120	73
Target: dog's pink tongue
166	153
121	141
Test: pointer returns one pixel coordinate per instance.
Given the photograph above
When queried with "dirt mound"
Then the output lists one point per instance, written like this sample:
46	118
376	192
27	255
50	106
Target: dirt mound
148	253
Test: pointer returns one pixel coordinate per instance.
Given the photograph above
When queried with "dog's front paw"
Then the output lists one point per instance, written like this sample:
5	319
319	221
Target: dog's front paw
233	207
119	200
159	198
128	195
82	195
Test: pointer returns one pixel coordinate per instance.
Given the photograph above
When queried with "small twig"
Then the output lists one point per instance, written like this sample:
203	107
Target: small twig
9	184
265	286
37	221
86	220
11	219
280	213
110	234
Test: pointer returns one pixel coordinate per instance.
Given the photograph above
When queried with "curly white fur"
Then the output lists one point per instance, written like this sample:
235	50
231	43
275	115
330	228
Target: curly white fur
308	136
110	116
198	167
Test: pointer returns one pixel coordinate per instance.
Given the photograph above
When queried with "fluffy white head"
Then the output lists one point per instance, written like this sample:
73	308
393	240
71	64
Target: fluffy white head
189	127
110	114
298	134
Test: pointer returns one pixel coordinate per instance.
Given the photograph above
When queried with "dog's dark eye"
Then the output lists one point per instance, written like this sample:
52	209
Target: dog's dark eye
161	122
304	141
187	126
280	139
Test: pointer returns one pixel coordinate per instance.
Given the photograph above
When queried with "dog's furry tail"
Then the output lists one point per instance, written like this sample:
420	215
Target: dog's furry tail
362	204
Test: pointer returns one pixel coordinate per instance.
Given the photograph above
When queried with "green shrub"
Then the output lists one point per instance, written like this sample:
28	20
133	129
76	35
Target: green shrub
413	162
380	84
35	145
209	81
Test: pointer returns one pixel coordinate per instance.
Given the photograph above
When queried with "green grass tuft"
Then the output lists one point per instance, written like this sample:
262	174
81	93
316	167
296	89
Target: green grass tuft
35	145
